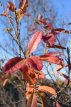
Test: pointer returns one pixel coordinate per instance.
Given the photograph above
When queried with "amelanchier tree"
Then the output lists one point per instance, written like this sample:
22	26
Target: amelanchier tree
28	67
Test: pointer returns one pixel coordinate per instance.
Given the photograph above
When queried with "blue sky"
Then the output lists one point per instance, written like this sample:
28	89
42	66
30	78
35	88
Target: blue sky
63	13
63	9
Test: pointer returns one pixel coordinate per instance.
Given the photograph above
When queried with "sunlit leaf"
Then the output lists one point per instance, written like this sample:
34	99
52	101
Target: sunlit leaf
34	41
34	100
47	89
5	82
29	88
22	9
52	59
29	102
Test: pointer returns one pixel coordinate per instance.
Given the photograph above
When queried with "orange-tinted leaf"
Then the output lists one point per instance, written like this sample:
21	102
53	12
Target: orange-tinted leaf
34	42
11	6
29	102
27	95
52	59
47	89
31	72
11	63
25	71
34	100
28	78
29	88
20	14
22	9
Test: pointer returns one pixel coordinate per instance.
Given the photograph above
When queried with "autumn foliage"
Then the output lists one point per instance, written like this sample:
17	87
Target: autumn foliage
30	66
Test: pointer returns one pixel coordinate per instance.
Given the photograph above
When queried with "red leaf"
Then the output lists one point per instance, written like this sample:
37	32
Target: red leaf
11	6
47	89
43	21
34	42
35	62
49	39
57	46
18	63
52	59
58	30
46	24
11	63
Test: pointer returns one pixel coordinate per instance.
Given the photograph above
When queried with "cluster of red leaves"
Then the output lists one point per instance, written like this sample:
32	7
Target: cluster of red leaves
50	37
18	12
31	67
